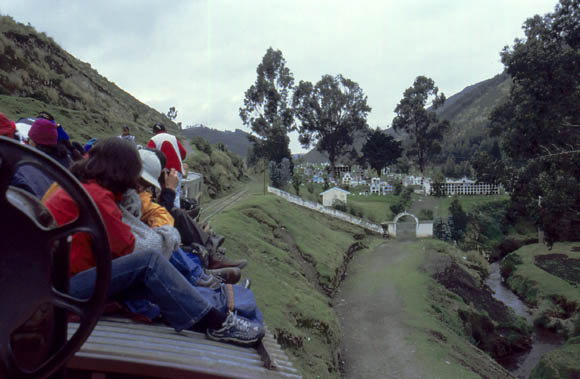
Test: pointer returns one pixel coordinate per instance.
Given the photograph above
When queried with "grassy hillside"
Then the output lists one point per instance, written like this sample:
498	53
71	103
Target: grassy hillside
221	169
297	258
456	324
37	74
548	279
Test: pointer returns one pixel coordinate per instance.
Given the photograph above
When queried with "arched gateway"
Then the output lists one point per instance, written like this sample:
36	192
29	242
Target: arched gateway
422	228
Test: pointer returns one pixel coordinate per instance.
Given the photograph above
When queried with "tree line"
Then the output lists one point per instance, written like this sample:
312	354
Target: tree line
539	125
329	113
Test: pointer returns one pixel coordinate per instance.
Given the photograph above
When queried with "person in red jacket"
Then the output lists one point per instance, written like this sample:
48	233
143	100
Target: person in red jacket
174	152
111	168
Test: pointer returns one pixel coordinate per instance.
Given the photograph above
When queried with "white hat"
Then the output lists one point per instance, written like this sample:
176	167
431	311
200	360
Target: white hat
151	168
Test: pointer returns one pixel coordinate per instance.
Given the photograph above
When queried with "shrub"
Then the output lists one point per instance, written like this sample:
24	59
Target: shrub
508	264
426	214
397	188
458	219
397	208
201	144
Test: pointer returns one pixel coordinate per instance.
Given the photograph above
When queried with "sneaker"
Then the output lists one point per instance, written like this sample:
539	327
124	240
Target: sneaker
230	275
218	259
238	330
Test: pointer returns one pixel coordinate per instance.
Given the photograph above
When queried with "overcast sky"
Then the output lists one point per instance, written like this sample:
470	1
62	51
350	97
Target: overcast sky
201	56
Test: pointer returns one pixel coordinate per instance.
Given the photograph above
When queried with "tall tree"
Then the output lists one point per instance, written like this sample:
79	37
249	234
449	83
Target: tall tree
267	110
539	125
330	113
423	125
380	150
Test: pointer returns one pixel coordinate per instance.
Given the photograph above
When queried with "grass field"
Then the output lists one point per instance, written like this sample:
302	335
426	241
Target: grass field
375	208
441	209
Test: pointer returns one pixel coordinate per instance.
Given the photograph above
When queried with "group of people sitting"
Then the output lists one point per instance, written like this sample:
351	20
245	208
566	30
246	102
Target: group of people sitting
165	265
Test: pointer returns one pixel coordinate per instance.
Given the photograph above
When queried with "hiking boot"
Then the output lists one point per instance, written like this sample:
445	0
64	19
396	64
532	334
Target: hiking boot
218	259
230	275
238	330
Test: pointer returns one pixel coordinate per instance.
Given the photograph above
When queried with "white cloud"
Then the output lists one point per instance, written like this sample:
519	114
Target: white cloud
201	56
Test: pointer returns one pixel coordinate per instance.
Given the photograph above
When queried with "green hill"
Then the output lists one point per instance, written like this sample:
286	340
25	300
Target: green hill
236	141
468	113
37	74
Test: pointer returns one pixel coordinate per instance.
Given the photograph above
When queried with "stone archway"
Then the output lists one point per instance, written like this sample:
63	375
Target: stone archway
404	214
422	228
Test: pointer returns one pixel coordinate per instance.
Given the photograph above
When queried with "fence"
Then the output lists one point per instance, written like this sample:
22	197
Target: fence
328	211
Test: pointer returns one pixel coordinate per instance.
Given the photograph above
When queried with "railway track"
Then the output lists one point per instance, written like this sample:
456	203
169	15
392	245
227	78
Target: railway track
221	204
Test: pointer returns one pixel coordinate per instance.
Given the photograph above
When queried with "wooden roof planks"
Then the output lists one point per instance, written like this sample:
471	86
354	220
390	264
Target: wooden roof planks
121	346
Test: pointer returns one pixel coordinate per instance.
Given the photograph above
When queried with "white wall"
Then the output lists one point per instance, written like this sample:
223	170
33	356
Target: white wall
425	229
328	211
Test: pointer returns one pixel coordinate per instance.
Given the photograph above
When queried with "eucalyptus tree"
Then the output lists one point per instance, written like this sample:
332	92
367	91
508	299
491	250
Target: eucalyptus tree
330	112
267	109
423	126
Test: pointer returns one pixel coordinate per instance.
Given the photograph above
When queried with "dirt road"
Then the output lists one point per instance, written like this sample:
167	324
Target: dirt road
374	343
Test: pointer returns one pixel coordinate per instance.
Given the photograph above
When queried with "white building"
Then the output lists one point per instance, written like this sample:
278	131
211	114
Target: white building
347	178
380	187
466	186
333	194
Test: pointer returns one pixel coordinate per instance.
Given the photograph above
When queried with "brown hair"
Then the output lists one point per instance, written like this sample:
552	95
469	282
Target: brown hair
113	162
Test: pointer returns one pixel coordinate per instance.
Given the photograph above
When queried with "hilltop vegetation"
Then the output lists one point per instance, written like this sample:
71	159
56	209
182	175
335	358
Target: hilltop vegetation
236	141
221	169
37	74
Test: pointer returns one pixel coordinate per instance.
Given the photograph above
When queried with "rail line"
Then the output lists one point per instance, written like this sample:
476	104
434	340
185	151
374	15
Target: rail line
221	204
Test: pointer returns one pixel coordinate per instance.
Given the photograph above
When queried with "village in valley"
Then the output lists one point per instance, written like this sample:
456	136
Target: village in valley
357	180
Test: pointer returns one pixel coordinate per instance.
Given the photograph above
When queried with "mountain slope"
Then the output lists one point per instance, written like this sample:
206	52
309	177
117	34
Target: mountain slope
236	141
468	111
37	74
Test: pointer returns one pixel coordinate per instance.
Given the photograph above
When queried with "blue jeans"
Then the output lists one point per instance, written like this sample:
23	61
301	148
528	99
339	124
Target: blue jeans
181	304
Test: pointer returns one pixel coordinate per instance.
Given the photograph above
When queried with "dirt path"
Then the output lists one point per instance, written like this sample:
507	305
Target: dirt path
374	343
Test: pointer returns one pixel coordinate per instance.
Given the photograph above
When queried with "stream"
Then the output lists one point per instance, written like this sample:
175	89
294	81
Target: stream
542	341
